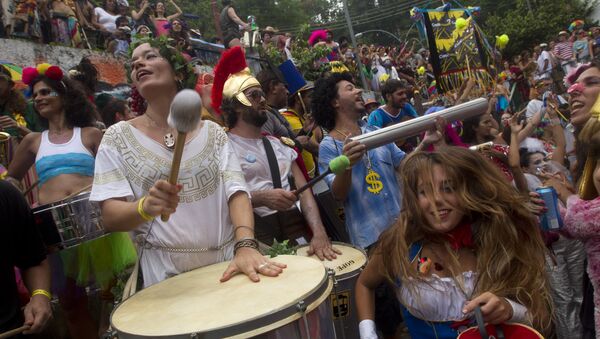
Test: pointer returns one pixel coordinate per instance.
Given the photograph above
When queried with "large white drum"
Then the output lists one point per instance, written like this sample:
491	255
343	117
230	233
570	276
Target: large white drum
347	267
196	305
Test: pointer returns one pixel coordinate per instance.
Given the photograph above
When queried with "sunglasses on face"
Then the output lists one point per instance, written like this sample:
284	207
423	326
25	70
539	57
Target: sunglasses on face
256	95
45	92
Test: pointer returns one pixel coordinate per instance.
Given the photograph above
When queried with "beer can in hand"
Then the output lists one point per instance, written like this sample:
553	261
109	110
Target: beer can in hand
551	220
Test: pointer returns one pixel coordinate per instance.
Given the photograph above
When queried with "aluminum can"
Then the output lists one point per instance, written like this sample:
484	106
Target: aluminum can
551	220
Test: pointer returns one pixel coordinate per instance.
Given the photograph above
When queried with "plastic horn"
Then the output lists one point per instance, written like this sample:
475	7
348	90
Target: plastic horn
184	117
419	125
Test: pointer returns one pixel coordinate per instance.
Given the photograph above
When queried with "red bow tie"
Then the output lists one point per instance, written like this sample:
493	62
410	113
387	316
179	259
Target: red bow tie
461	236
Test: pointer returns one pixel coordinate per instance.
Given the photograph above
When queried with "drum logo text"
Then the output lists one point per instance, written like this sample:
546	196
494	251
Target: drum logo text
341	304
345	265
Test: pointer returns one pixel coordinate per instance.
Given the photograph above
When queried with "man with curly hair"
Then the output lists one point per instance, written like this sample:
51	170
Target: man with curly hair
369	189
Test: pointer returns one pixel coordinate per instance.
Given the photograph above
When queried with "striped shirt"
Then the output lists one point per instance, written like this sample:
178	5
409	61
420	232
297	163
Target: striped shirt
564	50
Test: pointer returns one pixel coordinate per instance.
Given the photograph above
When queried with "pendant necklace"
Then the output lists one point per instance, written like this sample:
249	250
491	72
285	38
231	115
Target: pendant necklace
372	178
168	138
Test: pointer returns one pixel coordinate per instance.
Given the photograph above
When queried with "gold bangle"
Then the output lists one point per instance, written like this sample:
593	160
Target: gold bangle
42	292
141	212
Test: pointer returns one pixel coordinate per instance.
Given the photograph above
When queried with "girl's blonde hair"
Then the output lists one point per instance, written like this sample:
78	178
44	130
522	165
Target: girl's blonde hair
508	244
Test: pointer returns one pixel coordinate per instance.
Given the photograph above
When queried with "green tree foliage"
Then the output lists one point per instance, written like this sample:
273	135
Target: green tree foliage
527	28
287	14
304	56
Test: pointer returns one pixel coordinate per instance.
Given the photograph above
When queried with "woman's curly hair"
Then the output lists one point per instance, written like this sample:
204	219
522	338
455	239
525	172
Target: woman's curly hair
325	91
79	110
86	73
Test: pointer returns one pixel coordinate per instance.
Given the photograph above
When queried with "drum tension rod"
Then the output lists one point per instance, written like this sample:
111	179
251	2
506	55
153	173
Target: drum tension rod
301	307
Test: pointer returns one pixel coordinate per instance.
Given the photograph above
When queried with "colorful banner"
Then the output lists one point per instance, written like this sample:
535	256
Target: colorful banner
457	51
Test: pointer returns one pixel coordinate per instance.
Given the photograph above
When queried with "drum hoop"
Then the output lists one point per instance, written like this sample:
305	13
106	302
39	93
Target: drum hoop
60	203
63	204
351	274
260	323
280	323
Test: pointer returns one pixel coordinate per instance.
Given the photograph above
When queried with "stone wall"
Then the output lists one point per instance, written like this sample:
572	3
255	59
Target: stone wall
26	53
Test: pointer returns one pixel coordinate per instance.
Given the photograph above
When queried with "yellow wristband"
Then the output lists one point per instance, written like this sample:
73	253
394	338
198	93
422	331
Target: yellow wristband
42	292
141	212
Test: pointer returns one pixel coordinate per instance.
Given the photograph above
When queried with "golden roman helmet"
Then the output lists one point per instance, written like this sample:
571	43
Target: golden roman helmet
237	83
232	78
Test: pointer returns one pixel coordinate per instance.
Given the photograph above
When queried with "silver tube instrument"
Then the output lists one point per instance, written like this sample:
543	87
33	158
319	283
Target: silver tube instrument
419	125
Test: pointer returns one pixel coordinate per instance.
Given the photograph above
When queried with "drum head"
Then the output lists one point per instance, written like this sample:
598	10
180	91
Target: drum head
196	302
346	264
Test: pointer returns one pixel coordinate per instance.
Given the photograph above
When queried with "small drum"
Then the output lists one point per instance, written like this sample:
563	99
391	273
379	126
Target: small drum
196	305
69	222
347	267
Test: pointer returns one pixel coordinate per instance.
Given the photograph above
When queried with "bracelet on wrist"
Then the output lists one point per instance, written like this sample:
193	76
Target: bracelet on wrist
42	292
245	242
141	212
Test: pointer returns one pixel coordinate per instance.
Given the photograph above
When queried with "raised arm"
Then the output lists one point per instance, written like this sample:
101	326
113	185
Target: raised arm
137	15
233	16
558	135
177	13
514	161
531	125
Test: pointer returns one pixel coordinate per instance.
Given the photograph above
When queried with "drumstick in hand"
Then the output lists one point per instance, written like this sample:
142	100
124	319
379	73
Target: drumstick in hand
14	332
337	165
184	117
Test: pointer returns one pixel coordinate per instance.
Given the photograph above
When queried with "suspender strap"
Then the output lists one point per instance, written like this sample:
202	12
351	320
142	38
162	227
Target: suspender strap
273	165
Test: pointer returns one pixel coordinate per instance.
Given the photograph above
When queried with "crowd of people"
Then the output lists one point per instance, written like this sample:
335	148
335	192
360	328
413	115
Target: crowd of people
111	25
450	217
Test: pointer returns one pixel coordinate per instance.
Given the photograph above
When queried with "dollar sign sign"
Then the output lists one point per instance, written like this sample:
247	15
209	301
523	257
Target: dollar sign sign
372	178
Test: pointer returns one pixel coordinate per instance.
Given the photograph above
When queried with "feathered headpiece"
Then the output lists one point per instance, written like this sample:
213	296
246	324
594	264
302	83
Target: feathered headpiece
232	78
315	36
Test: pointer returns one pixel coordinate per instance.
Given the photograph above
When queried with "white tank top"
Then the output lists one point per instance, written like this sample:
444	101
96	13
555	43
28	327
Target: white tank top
75	145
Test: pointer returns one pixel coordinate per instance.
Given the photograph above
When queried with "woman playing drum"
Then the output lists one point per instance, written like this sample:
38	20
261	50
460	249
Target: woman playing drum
134	160
465	238
64	160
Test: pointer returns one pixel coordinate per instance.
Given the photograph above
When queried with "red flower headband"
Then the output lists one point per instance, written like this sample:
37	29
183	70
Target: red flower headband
47	70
